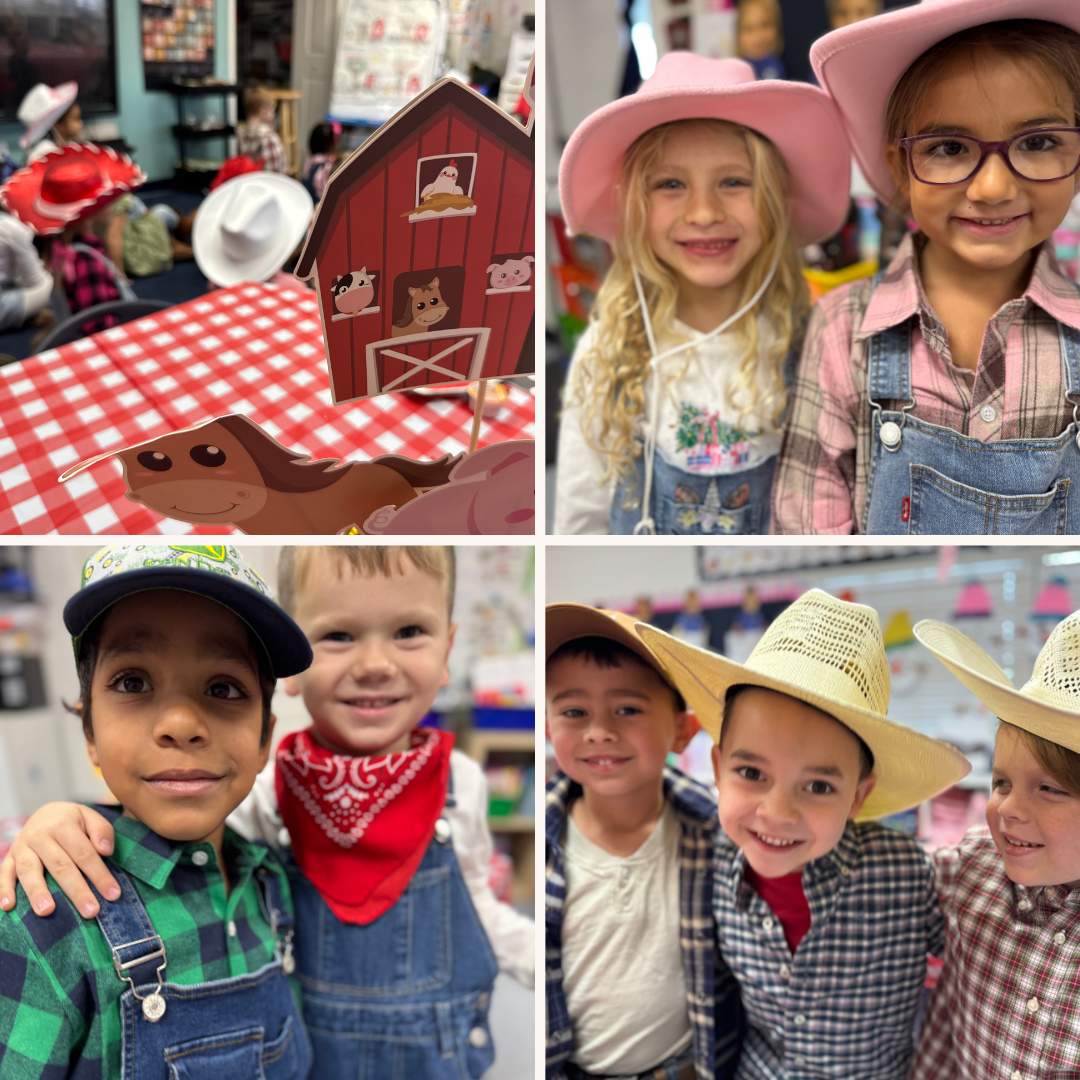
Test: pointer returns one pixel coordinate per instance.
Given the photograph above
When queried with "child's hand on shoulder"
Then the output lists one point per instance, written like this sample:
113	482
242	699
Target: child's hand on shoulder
63	839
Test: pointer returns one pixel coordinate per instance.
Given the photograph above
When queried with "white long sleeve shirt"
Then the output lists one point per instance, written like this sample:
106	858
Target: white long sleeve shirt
512	935
701	427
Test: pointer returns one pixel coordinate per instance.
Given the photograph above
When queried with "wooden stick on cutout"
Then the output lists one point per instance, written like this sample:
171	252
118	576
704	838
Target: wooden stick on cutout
478	414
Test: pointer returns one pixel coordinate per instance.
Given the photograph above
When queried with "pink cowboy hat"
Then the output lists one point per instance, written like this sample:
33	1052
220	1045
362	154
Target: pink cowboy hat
799	119
861	64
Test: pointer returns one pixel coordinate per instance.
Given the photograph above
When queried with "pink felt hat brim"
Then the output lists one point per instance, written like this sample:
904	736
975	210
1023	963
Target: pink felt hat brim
861	64
799	119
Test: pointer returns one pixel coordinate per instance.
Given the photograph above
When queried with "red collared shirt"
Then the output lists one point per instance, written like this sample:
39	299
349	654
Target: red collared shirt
1017	390
1008	1001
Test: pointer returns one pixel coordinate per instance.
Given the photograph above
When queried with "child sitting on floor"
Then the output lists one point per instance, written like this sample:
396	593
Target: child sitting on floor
257	138
323	144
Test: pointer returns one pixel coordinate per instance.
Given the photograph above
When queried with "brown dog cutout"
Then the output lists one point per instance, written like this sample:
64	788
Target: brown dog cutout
228	471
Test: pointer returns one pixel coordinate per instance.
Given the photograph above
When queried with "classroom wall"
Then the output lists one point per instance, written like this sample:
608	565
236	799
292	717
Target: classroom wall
145	117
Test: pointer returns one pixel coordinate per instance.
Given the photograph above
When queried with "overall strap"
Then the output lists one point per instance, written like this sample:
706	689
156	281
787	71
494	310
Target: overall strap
450	800
138	952
1070	360
888	376
271	900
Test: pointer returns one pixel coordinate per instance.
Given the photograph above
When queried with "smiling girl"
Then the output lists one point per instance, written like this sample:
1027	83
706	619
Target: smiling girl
1006	1004
939	397
704	183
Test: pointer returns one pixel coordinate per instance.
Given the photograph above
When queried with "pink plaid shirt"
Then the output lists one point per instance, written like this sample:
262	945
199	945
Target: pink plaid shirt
821	476
1008	1001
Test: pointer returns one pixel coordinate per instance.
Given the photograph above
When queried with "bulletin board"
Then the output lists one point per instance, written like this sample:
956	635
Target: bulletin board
177	41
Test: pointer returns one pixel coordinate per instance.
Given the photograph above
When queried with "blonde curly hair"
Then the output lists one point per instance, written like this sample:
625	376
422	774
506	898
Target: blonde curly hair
609	380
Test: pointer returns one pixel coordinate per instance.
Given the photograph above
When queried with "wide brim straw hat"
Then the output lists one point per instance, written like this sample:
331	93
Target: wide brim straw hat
68	185
798	119
860	64
829	654
247	228
42	107
1047	705
566	622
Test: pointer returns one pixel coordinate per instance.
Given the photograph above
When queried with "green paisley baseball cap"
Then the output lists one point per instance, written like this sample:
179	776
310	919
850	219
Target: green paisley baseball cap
219	573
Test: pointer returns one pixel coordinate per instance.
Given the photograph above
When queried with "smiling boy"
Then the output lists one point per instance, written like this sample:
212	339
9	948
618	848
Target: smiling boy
177	649
825	917
635	985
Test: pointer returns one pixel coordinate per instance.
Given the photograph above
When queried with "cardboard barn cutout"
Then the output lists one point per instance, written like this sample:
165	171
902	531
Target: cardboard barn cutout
422	249
228	471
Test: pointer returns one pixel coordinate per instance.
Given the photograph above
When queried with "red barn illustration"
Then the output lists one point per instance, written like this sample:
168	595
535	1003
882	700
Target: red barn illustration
422	249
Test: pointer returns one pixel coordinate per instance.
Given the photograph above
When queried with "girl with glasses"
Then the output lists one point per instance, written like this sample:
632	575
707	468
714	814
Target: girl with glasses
941	396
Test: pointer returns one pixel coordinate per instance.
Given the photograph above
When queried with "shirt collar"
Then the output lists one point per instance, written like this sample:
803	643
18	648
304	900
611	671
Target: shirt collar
152	858
899	295
1049	897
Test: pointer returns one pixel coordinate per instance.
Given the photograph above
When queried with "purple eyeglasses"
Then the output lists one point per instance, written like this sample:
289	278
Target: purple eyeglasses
1041	155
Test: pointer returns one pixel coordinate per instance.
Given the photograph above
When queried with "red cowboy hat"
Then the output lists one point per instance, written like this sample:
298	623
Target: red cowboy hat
235	166
69	185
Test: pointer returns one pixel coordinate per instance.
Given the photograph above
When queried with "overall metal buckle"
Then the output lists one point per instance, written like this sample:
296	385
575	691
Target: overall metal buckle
153	1005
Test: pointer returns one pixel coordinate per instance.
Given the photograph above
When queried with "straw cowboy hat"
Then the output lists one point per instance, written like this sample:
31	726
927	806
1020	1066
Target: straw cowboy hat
42	107
799	119
68	185
565	622
1048	704
247	228
861	64
829	654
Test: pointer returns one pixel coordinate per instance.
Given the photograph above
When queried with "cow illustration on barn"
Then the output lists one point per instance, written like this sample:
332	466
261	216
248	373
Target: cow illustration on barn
422	249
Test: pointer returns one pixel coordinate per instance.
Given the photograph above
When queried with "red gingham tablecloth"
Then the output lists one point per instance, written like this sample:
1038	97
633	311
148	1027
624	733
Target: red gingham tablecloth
252	349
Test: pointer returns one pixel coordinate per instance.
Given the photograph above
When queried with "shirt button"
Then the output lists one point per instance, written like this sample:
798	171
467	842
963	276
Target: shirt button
890	433
283	837
767	923
1016	1075
987	413
785	971
798	1059
232	928
1033	1005
1024	905
1059	938
799	1018
200	858
478	1037
845	872
442	830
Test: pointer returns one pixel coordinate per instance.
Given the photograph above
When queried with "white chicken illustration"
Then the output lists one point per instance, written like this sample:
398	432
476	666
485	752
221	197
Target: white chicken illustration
445	182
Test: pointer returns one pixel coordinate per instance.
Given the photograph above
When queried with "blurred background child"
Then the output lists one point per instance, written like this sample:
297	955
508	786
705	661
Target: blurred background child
323	144
761	37
257	138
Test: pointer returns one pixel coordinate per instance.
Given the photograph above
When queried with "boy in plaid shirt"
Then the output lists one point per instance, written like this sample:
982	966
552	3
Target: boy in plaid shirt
258	139
824	916
635	985
177	649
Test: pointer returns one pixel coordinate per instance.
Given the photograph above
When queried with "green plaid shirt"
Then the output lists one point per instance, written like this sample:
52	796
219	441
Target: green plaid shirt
59	993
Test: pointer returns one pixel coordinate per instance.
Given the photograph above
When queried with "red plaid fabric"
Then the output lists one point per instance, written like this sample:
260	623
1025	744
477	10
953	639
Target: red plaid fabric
261	141
1008	1000
87	281
252	349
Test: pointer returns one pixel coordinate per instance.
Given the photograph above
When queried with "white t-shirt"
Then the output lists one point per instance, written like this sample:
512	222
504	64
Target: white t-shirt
512	936
701	426
621	952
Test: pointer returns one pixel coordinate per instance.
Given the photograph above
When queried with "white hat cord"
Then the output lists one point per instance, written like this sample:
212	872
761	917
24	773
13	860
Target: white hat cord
647	525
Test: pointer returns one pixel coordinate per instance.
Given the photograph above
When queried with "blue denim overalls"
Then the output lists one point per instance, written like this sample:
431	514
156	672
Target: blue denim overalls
242	1028
405	997
931	480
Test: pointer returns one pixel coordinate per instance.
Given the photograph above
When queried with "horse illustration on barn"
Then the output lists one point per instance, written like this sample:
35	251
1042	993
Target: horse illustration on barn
407	243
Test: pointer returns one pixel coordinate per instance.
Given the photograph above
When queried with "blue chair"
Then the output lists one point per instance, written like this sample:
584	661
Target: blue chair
122	310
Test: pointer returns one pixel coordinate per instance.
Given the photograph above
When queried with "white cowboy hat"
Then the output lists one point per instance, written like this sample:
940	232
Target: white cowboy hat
828	653
42	107
860	64
1048	704
800	120
247	228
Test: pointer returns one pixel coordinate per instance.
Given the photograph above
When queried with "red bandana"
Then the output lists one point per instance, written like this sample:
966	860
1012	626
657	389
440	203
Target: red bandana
361	825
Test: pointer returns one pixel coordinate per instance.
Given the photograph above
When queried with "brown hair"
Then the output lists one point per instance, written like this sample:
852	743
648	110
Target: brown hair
283	469
295	564
866	755
256	98
1053	50
1060	762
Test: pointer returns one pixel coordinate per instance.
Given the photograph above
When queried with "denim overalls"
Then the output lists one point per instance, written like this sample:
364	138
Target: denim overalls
931	480
405	997
242	1028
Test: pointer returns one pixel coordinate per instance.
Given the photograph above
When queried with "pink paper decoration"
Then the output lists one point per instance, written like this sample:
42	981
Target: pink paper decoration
1053	601
974	602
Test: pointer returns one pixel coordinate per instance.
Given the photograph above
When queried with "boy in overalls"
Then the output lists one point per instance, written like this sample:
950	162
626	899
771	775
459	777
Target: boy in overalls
382	826
185	973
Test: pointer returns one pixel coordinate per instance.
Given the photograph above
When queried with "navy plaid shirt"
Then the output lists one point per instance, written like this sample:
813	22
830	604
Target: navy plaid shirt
844	1005
711	993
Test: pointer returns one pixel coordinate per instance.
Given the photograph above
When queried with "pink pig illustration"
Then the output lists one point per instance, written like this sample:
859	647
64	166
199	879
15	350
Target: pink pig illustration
510	273
491	493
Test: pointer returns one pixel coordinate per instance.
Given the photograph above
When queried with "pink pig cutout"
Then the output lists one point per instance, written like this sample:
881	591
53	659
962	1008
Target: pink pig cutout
510	274
491	492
